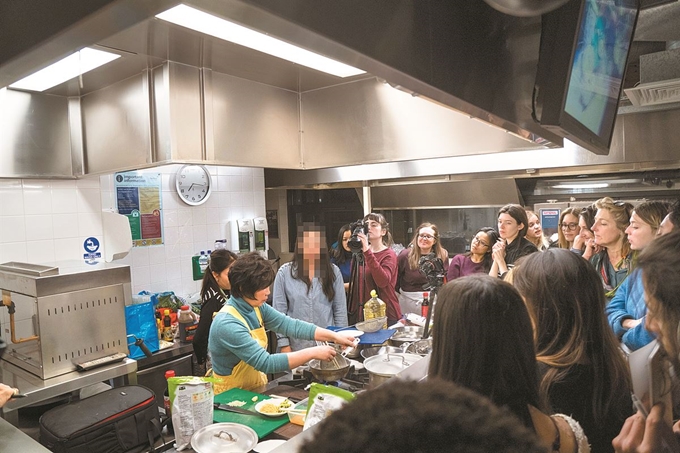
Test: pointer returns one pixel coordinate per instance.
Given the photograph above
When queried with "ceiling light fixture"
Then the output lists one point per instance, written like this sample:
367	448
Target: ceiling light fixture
65	69
194	19
594	185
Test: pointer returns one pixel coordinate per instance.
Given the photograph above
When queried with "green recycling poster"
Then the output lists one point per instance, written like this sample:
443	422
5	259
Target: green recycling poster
138	197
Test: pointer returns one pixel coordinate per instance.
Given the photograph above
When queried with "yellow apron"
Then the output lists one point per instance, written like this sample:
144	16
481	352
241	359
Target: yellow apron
243	376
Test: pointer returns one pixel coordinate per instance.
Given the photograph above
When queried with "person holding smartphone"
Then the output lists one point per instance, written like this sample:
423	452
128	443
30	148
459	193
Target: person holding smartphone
660	266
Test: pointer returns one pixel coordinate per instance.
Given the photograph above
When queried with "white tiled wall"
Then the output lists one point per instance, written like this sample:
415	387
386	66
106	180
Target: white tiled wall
47	221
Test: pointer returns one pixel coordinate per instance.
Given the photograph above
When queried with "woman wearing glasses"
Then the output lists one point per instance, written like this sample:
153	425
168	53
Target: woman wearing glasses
627	310
512	245
613	263
568	228
478	260
410	281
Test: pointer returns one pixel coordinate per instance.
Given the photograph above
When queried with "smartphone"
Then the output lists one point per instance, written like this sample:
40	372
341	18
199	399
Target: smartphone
651	378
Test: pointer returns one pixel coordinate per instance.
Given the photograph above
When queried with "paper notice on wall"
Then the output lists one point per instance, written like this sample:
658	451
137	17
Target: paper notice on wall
139	198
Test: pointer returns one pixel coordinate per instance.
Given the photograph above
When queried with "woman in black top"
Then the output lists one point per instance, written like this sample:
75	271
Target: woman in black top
583	372
214	294
512	227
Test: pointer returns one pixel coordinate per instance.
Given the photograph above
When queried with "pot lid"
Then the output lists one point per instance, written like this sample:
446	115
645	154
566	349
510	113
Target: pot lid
224	437
390	364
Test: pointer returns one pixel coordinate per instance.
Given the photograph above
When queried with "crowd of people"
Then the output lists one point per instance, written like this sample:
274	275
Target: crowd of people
574	308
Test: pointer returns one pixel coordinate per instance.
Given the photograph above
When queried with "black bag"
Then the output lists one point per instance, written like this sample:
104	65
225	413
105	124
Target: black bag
123	419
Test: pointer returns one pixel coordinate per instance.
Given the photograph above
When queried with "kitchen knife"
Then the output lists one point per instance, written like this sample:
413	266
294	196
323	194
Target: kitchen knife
238	410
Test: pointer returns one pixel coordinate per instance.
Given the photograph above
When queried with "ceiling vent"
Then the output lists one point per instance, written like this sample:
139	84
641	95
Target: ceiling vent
659	79
655	93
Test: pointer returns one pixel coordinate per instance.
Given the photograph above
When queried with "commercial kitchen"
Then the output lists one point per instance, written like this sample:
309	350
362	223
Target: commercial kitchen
434	120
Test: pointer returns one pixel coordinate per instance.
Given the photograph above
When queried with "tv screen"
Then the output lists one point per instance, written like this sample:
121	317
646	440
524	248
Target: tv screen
582	62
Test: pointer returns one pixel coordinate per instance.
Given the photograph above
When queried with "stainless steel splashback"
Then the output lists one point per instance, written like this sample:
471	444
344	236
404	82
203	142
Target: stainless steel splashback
76	315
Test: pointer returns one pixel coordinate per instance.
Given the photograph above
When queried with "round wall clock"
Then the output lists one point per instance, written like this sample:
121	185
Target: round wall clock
193	184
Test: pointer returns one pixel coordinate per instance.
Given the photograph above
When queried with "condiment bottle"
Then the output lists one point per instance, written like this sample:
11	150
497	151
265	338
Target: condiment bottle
166	400
375	308
167	326
425	306
187	324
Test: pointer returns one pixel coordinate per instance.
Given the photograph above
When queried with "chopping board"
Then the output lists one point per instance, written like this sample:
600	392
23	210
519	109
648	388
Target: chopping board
260	424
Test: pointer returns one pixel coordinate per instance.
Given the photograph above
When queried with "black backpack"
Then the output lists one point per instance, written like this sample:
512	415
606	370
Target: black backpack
119	420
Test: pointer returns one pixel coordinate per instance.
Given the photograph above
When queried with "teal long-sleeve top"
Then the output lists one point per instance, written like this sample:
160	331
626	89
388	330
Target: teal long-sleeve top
230	341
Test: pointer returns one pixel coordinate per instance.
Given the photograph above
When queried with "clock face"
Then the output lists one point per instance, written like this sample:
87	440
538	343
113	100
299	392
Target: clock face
193	184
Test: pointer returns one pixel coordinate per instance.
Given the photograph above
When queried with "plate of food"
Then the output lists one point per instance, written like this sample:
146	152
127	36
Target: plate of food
274	407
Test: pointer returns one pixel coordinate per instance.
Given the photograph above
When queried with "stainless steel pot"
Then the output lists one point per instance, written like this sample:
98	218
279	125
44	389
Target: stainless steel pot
377	350
383	367
420	347
327	371
406	334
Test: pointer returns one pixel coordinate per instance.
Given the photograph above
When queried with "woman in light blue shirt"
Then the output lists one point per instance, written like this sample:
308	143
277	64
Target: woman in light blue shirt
309	287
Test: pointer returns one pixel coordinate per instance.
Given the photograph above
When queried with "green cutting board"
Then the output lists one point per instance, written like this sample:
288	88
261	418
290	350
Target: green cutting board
260	424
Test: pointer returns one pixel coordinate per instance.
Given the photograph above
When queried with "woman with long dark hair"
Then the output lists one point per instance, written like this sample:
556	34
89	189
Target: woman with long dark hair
512	245
583	372
309	287
483	340
215	291
410	281
478	259
341	255
378	270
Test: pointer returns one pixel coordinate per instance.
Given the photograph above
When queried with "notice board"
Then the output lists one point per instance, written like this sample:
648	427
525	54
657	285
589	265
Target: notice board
139	198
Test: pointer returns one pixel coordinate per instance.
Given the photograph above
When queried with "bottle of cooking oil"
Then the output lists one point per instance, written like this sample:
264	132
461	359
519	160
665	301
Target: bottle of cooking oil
375	308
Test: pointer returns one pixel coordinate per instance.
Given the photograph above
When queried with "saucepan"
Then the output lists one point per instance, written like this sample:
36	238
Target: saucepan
384	366
332	370
406	334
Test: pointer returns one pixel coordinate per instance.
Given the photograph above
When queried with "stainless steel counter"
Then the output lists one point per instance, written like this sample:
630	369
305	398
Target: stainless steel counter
38	390
13	439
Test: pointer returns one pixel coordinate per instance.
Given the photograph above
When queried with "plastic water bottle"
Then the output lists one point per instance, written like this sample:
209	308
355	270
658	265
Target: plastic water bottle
203	261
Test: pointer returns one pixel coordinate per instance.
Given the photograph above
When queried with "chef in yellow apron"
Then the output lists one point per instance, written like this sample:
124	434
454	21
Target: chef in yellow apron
238	342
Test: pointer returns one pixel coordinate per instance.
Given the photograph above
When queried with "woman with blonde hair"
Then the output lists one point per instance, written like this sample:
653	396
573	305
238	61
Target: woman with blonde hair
410	281
615	261
535	232
583	372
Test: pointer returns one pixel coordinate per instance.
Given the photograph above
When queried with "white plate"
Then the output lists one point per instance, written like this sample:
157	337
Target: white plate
351	333
274	401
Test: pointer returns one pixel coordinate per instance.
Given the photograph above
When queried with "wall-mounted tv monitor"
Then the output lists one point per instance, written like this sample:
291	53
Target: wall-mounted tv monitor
582	61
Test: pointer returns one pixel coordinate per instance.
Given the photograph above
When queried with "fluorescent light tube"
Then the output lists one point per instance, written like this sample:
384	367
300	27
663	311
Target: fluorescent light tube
594	185
65	69
211	25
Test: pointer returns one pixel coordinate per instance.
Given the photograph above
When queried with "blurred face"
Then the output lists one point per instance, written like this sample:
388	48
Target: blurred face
480	244
508	228
535	230
606	232
426	239
640	234
260	298
665	227
570	227
222	278
375	230
584	230
345	239
311	245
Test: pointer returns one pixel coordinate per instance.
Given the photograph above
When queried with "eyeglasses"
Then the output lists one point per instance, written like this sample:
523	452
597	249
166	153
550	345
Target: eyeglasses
476	239
569	226
426	237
